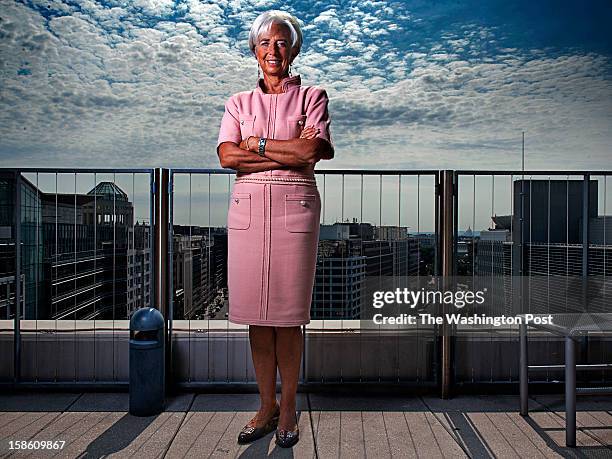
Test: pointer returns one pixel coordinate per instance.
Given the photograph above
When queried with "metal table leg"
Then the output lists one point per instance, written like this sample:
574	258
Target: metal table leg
523	370
570	391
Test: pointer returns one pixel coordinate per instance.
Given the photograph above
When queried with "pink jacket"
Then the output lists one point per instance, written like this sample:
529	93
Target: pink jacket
276	116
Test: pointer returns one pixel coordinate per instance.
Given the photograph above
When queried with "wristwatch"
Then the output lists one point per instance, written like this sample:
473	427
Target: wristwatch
262	146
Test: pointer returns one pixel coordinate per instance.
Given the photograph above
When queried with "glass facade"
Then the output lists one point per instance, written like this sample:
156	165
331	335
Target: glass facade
74	251
32	273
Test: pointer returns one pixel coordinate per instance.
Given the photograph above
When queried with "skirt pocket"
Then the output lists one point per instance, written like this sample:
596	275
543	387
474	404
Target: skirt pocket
239	214
301	212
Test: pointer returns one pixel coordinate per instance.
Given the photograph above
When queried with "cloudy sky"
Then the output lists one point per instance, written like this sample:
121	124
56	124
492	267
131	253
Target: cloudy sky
416	84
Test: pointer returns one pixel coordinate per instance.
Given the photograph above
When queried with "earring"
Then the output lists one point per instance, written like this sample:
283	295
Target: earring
258	74
290	70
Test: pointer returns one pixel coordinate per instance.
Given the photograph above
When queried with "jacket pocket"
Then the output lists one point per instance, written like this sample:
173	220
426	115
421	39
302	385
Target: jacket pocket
239	214
295	126
302	212
247	125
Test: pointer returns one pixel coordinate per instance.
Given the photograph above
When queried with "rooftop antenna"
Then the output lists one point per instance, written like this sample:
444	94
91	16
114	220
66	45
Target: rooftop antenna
523	157
522	216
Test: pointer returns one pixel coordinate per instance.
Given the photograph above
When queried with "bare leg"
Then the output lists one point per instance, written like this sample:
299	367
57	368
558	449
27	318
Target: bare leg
262	350
288	357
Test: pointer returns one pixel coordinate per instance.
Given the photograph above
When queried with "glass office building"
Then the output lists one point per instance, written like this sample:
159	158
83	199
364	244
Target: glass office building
32	272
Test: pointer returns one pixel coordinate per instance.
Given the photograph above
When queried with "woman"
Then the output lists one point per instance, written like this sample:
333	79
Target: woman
273	136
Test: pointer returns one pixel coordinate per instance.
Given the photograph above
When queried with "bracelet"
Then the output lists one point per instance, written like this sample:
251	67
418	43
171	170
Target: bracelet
262	146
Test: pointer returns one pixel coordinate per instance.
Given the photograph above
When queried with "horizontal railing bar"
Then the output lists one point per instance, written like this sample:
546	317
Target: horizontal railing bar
593	390
122	386
51	170
212	386
52	331
532	172
378	171
321	171
187	170
119	386
421	171
307	386
597	366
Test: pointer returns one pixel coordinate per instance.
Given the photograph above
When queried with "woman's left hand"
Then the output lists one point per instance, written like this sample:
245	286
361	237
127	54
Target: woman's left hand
309	132
243	144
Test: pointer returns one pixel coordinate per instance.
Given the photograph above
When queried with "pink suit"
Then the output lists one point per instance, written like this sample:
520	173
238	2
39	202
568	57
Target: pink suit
273	218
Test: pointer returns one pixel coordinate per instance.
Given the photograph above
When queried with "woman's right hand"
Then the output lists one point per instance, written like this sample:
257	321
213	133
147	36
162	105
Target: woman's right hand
309	132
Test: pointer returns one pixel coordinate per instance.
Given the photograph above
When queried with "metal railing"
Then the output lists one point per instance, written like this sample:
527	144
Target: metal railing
372	190
79	243
70	248
546	251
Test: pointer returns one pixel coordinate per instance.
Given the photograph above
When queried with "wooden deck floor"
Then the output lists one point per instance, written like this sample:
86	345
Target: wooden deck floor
206	425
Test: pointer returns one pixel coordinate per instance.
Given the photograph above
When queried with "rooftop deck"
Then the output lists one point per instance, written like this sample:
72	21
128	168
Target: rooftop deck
206	425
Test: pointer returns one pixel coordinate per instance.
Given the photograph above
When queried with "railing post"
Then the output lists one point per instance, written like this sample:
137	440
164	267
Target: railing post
586	204
585	225
570	391
161	259
17	239
169	275
524	369
446	221
152	239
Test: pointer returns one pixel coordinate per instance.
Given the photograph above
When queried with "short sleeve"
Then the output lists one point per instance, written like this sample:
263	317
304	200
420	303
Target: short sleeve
317	114
230	127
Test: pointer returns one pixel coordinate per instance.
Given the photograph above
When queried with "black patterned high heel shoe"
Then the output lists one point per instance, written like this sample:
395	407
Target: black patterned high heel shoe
288	438
250	433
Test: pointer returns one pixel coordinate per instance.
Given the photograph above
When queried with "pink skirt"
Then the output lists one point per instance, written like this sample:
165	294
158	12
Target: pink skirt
273	234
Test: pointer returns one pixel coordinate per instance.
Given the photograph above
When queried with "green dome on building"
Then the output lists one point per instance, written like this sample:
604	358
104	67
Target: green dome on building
107	190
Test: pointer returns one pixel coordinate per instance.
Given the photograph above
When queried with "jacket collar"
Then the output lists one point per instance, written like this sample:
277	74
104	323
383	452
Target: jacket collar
287	84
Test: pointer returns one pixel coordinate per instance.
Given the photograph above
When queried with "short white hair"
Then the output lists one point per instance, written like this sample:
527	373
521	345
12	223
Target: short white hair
263	22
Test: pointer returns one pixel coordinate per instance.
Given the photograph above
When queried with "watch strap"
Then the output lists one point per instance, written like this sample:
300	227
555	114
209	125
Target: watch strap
261	146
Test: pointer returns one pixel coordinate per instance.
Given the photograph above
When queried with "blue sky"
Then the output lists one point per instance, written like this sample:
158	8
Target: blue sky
416	84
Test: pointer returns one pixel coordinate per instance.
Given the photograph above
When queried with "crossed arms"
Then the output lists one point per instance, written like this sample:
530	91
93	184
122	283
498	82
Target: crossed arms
300	152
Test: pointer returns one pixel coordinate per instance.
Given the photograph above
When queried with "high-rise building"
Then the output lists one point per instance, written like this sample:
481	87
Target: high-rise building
345	261
494	248
33	296
339	280
139	267
390	233
540	252
73	251
199	271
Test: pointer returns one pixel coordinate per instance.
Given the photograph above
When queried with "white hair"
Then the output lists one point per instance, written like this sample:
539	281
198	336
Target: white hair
263	22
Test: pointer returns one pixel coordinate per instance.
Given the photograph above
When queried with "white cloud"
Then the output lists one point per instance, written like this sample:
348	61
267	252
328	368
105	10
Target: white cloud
124	87
155	7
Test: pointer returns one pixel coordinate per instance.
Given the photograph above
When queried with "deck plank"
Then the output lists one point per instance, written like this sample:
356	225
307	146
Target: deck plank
191	430
431	438
352	441
97	424
400	439
327	433
377	441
